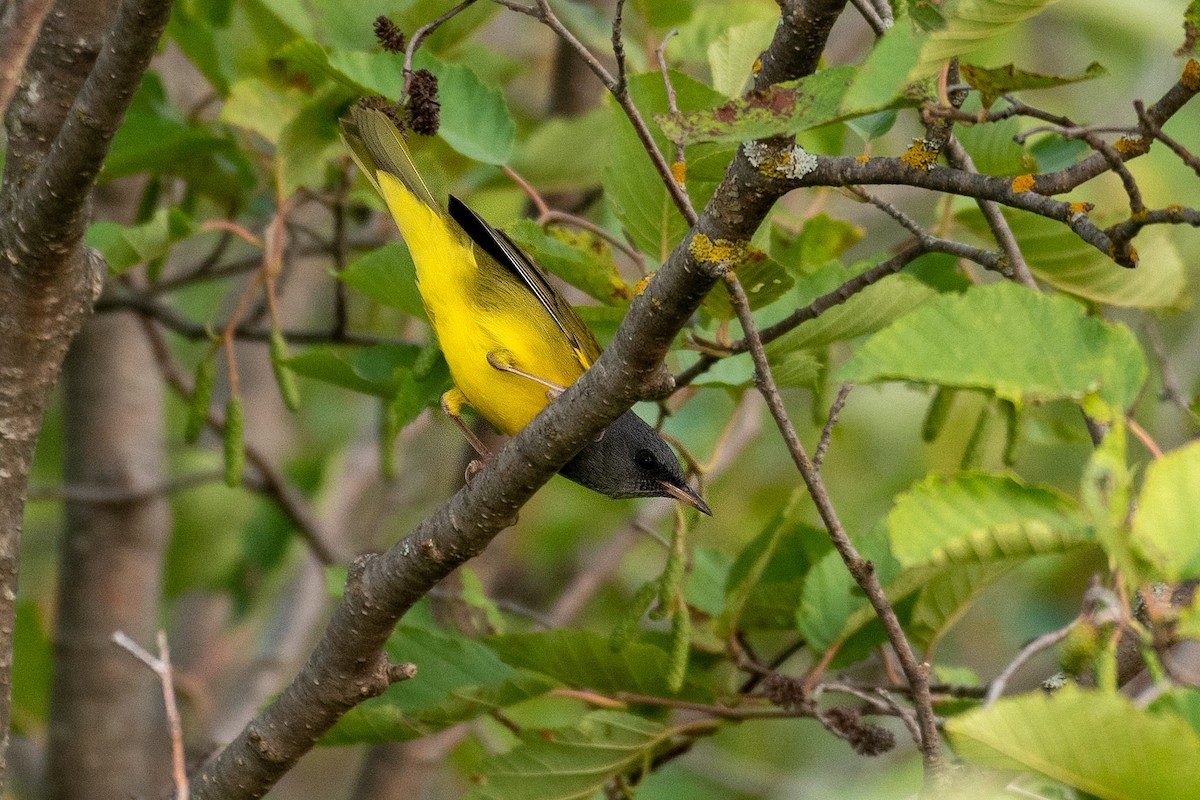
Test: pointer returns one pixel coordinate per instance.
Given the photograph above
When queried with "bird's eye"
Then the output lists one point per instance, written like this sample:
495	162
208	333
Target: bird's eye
645	459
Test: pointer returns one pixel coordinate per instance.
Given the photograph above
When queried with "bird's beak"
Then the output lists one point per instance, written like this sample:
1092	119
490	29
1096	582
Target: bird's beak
687	495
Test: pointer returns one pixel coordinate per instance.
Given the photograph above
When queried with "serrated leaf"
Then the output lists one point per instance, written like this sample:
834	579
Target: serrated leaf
1097	742
570	763
731	55
1167	519
821	240
970	23
946	596
379	370
475	119
1063	260
582	659
881	80
831	599
975	518
157	138
549	158
784	108
764	583
580	258
1010	340
764	280
866	312
995	152
633	187
386	275
309	140
457	679
995	82
126	246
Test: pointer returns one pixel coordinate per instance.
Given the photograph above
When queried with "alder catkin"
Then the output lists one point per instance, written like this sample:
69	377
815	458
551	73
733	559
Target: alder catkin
235	451
206	379
284	377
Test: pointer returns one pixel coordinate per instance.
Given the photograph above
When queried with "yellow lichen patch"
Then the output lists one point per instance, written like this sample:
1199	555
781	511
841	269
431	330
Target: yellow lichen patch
1174	212
862	159
1191	75
718	251
757	68
640	286
1128	145
679	172
1023	183
920	155
1081	208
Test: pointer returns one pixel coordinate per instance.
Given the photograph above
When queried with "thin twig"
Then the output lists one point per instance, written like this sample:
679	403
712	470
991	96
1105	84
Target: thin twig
161	666
1002	232
862	570
835	411
116	495
1153	130
421	33
1170	380
1043	642
872	17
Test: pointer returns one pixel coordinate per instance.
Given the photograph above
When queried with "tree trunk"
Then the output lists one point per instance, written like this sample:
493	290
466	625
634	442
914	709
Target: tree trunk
107	736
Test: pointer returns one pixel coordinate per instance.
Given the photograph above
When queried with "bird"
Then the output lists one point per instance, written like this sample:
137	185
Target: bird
511	340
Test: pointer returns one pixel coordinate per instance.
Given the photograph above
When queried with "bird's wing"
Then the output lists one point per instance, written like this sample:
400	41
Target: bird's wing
505	251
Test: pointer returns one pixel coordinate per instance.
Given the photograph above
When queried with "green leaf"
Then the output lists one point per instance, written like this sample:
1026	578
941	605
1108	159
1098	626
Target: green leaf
1097	742
1063	260
884	75
945	597
1167	519
256	106
969	24
309	140
822	239
549	157
379	370
126	246
475	119
995	82
975	518
1010	340
831	598
731	55
705	584
995	152
386	275
784	108
764	279
631	184
157	138
581	259
457	679
570	763
764	582
582	659
665	13
866	312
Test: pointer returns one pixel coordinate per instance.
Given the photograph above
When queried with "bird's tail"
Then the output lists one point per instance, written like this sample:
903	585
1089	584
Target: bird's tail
376	146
